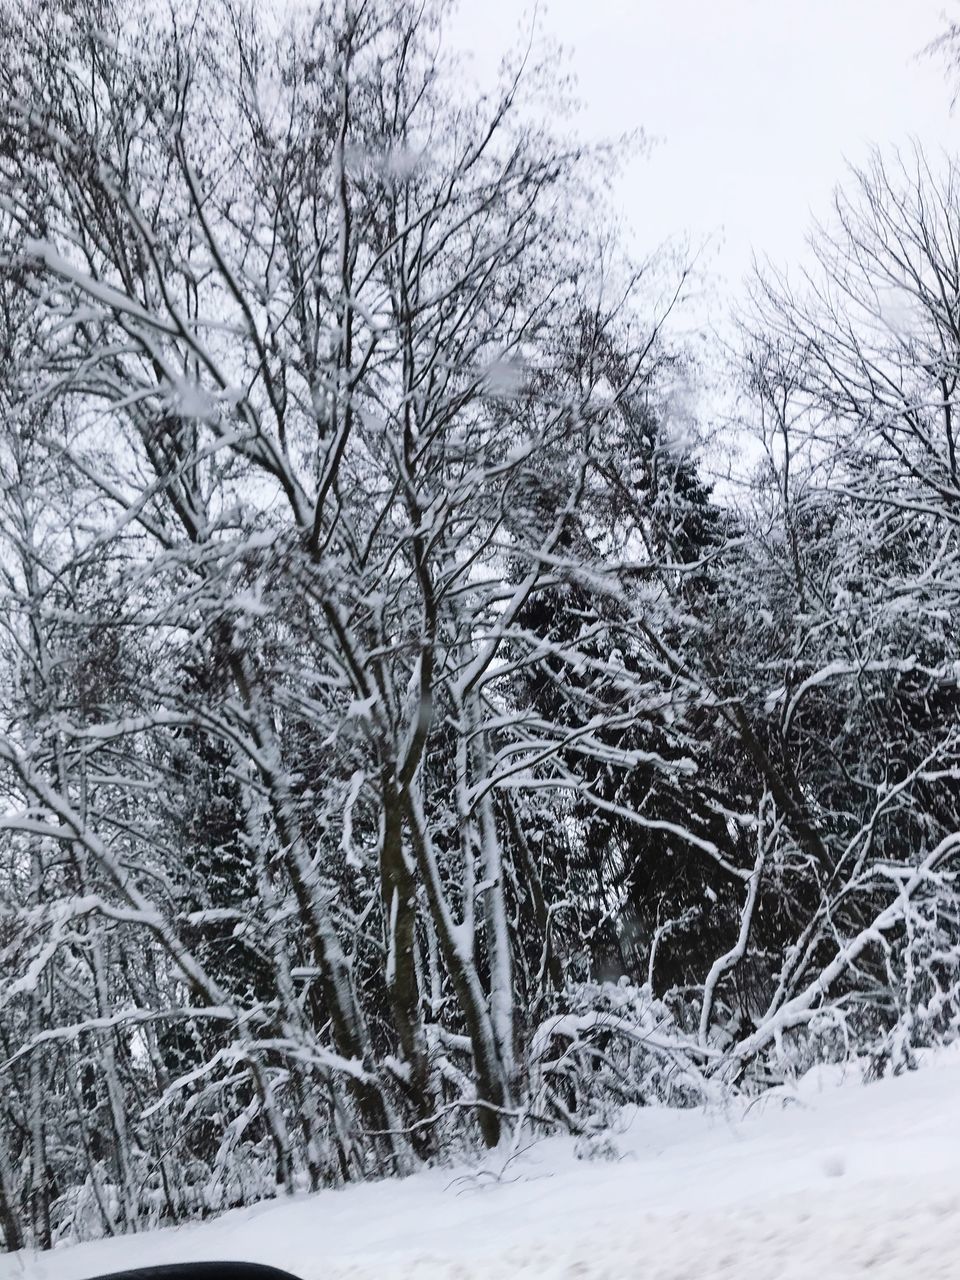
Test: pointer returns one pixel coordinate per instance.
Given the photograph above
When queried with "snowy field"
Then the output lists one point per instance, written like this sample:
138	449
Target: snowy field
827	1180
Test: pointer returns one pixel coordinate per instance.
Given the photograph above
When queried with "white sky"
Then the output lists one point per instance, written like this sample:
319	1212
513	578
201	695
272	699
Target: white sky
756	104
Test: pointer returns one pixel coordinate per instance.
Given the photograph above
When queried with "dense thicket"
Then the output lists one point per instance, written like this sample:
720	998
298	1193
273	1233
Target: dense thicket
400	744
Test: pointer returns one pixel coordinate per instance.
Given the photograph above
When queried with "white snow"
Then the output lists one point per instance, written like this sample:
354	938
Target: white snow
816	1181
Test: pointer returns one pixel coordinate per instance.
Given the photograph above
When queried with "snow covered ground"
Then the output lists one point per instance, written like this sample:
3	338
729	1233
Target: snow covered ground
819	1181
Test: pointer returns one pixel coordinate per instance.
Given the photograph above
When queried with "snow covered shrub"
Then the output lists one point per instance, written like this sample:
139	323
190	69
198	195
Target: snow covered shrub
614	1044
597	1147
881	979
923	970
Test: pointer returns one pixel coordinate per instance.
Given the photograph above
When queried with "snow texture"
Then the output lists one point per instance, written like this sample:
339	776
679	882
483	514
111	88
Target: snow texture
812	1181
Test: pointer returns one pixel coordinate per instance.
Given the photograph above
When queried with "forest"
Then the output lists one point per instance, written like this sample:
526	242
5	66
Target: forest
418	730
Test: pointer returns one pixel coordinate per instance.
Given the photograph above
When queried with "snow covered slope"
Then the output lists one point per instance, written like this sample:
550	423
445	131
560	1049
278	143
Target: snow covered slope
821	1181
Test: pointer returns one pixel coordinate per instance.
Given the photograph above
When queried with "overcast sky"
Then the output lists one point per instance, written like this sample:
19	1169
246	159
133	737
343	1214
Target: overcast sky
755	104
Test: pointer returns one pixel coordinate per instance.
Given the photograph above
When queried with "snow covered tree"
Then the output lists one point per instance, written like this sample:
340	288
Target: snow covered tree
329	357
853	382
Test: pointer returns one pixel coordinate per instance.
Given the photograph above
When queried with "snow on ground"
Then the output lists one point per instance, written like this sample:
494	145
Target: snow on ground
816	1181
